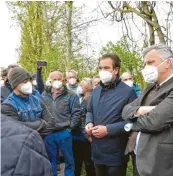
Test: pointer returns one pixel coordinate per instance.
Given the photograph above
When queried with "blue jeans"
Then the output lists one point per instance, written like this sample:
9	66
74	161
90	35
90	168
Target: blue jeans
60	140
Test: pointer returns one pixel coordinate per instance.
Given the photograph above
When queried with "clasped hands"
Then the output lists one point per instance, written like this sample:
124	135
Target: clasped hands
98	131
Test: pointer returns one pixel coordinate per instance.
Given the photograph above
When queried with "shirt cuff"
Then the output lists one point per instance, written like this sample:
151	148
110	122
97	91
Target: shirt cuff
128	127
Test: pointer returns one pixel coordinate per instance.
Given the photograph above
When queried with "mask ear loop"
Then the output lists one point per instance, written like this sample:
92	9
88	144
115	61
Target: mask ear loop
162	62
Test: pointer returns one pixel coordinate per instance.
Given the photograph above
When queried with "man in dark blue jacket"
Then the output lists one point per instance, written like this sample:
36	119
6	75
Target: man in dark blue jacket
24	107
64	106
104	121
6	89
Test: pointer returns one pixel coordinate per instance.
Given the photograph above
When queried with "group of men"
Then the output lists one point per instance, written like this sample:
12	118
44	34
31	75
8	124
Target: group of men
99	122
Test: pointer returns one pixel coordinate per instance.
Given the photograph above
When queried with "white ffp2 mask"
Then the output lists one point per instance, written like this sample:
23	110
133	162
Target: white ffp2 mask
79	90
26	88
150	73
105	76
72	81
57	84
129	83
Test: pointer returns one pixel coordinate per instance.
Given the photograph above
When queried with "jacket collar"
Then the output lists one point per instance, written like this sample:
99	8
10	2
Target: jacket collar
20	97
166	85
111	84
62	93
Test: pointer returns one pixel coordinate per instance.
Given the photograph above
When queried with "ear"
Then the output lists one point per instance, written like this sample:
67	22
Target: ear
169	63
116	71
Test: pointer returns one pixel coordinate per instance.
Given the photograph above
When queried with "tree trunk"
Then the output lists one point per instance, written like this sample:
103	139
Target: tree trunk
157	27
69	34
150	27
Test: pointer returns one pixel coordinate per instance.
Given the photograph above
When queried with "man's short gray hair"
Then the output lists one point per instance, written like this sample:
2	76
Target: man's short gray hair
125	74
163	50
89	82
72	71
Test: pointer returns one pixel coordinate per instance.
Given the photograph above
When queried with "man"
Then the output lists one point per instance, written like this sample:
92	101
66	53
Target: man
104	121
22	150
95	81
6	88
71	77
152	115
81	144
64	106
128	79
24	107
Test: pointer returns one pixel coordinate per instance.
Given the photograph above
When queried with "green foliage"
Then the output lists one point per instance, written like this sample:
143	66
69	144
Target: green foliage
44	27
131	61
32	37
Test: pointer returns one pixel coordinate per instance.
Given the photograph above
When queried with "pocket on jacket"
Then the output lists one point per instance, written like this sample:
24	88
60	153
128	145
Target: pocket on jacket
164	159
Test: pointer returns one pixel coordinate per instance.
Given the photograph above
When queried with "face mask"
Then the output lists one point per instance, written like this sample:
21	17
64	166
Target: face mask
47	83
79	90
150	73
105	76
34	82
57	84
26	88
72	81
129	83
1	83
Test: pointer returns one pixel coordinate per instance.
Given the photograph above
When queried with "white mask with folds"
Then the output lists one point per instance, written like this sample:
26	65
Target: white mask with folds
26	88
57	84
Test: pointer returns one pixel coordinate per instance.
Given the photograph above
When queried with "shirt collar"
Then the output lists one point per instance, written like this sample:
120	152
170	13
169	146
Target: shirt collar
166	80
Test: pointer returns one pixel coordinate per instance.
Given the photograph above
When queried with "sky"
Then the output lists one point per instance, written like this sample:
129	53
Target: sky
10	39
99	34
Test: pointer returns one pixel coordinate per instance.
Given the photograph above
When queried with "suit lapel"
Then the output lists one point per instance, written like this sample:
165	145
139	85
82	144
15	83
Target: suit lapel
163	91
146	92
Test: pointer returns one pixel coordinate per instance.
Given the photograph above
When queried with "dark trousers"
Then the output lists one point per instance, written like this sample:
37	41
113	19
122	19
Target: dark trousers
135	171
82	154
103	170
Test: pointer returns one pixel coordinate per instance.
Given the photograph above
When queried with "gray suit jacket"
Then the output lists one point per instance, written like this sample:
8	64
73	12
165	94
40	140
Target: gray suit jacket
155	147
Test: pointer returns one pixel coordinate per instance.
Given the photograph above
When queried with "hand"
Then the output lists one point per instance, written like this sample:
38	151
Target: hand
99	131
89	138
88	128
144	110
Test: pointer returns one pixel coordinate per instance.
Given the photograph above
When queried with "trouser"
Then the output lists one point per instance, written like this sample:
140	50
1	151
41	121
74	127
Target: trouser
82	154
135	171
103	170
60	140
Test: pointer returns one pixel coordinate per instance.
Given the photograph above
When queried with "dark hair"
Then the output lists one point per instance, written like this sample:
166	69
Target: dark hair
115	59
6	70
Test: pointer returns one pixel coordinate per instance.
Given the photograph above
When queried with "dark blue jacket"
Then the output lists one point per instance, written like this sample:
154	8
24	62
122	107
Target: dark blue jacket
106	109
6	90
22	150
39	79
80	133
65	109
30	110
